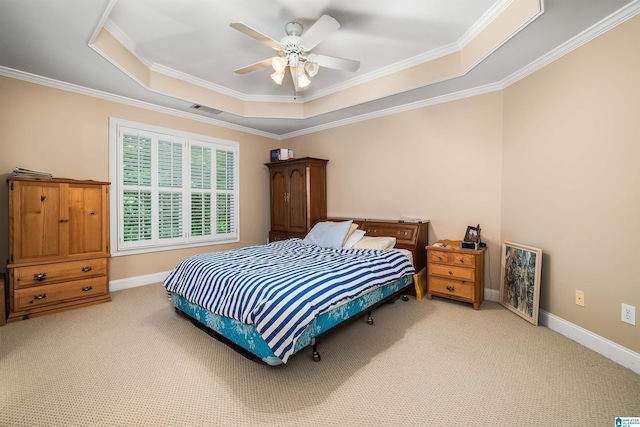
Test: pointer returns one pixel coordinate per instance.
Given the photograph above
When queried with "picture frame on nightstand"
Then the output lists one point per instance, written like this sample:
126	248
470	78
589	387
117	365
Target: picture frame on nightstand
520	280
472	235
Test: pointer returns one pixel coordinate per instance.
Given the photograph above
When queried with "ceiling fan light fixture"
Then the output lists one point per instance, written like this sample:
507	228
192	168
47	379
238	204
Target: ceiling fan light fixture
277	77
279	63
303	80
294	52
311	68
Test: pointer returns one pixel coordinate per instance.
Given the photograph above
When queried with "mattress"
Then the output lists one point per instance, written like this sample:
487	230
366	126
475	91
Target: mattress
280	288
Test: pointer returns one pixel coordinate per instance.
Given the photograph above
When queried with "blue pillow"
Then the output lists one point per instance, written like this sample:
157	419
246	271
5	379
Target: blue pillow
328	234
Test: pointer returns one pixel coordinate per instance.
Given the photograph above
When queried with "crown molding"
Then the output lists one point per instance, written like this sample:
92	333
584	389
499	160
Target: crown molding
604	25
69	87
480	90
467	37
598	29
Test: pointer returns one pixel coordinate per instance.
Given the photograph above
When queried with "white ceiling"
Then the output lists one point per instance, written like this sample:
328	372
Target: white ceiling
47	41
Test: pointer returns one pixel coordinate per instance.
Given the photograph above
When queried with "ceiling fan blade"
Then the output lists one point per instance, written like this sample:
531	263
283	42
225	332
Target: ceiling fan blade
338	63
318	32
253	67
245	29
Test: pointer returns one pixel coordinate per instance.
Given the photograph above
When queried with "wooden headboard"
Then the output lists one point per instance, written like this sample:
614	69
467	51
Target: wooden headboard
412	236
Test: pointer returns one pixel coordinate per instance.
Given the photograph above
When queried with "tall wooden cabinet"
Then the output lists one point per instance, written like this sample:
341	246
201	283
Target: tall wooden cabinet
58	245
298	196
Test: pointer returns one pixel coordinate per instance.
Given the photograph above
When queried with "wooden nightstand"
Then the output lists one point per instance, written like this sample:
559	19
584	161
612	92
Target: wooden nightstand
456	273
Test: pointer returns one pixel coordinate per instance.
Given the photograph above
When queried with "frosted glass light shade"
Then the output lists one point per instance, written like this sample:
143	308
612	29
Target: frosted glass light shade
277	77
303	80
279	63
311	68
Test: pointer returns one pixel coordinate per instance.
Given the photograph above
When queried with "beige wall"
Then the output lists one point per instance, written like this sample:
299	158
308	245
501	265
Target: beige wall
441	162
67	134
571	179
551	162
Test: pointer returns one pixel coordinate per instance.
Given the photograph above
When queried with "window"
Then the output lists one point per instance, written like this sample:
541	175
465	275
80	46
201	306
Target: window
171	189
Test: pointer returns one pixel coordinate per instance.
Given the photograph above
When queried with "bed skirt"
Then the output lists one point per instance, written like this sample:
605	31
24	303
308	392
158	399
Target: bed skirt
248	338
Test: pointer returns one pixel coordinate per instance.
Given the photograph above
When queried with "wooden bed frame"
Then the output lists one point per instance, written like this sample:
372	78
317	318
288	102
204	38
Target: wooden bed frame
412	236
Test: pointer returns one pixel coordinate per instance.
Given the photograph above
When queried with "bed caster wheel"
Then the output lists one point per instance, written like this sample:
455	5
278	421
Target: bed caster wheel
370	320
316	356
405	298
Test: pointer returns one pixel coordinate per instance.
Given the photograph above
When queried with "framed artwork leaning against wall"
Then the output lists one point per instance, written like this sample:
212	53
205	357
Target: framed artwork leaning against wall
520	280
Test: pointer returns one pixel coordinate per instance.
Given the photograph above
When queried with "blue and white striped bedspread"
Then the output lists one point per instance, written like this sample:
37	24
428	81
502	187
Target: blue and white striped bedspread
281	287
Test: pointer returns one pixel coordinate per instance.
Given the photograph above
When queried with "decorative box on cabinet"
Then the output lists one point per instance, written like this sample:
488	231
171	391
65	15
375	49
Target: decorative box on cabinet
456	273
298	196
58	245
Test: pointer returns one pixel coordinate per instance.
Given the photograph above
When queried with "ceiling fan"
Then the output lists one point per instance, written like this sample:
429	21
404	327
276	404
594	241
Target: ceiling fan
294	51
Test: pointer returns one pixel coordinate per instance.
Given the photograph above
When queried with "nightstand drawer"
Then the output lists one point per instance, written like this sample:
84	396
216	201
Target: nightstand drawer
467	260
51	294
456	288
438	256
452	272
51	273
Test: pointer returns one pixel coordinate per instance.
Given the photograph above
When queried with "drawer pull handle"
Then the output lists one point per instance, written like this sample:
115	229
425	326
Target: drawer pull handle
86	288
451	288
64	221
462	261
40	276
40	296
85	269
450	273
439	258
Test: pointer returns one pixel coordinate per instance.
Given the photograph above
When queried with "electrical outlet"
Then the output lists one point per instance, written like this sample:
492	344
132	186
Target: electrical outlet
629	314
580	298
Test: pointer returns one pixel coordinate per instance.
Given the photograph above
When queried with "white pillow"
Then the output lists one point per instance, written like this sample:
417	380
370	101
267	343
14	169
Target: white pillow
370	242
349	233
328	235
353	239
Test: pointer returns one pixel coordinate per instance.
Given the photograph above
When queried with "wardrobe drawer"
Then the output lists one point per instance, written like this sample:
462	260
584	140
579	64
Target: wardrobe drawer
452	272
455	288
37	296
43	274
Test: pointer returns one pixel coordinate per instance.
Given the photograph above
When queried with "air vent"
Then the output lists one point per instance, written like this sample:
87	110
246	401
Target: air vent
206	109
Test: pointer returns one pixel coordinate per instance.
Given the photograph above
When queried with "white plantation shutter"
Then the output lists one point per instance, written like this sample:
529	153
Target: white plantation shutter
136	203
171	193
225	191
173	189
201	209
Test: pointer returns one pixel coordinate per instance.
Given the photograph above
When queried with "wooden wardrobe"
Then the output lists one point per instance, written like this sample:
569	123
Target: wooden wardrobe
58	245
298	196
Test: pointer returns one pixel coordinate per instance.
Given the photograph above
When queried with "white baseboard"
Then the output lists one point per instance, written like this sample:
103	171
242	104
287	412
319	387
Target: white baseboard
133	282
492	295
619	354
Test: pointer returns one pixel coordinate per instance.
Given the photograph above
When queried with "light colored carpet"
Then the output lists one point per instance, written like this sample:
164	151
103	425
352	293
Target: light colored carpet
135	362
